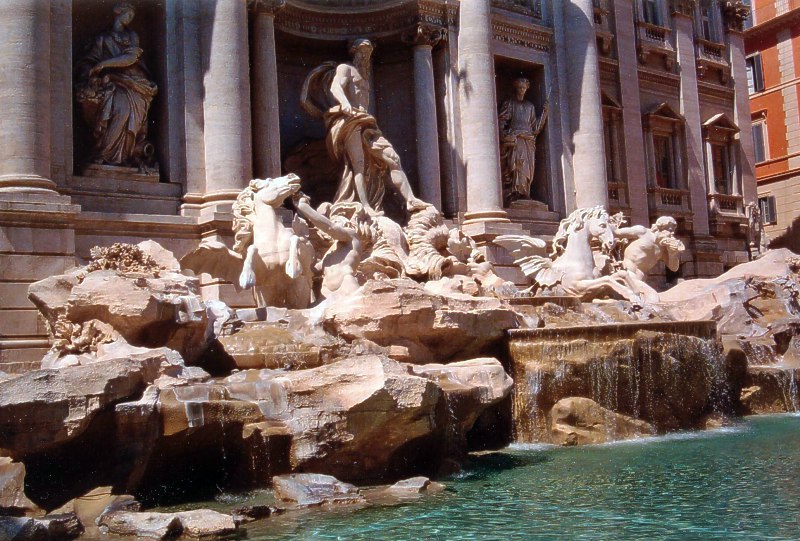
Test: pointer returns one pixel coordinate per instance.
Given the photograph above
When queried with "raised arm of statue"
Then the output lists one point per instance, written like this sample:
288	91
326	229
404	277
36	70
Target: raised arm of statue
336	232
631	232
339	86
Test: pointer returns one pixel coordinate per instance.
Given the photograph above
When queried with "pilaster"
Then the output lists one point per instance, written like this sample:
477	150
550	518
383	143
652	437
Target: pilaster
423	38
634	151
690	109
264	95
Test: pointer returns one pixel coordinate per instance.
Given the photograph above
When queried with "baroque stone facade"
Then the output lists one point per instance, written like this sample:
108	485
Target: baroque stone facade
648	116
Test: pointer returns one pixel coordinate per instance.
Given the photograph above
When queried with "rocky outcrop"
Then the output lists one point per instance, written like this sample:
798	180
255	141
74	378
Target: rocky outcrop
13	500
310	489
49	528
363	417
200	523
757	307
144	304
433	327
582	421
668	374
45	408
415	485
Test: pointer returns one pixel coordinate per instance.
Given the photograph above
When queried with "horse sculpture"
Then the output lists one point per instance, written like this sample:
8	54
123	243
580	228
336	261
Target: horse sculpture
267	256
571	268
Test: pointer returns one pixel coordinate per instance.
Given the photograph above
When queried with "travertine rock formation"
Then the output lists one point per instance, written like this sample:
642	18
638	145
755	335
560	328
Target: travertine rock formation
582	421
309	489
151	309
433	327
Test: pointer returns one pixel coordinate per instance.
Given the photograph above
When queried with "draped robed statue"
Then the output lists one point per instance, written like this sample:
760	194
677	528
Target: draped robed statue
115	91
519	128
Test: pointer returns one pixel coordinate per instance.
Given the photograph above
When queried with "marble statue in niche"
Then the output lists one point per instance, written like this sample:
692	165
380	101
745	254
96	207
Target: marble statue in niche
339	94
115	91
519	128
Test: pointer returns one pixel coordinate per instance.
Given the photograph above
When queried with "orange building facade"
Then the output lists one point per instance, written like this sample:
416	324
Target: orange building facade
773	63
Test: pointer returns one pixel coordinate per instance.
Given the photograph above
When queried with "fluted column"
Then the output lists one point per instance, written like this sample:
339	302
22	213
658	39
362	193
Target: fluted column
25	96
586	112
266	122
424	38
226	106
690	109
480	138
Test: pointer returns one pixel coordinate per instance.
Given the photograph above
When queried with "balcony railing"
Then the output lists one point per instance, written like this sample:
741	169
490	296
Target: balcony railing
655	39
673	200
715	52
721	203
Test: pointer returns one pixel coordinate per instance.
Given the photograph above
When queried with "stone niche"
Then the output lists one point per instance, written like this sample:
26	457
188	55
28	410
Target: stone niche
92	17
506	71
303	149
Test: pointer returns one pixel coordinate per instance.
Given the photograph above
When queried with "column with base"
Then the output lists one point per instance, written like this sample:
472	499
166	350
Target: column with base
227	127
37	238
266	122
480	138
586	113
226	105
25	96
424	38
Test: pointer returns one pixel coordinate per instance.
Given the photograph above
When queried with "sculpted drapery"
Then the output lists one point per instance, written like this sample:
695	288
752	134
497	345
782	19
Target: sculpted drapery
115	92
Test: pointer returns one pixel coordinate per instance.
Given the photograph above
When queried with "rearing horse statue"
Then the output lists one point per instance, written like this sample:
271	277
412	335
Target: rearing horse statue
273	260
571	269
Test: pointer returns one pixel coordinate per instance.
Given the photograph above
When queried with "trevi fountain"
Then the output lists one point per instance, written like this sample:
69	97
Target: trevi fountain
389	384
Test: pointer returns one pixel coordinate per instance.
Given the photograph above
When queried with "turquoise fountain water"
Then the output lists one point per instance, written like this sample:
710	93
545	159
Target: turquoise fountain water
737	483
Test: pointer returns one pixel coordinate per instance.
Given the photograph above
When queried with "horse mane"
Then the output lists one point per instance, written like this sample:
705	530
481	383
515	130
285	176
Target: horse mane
243	208
572	223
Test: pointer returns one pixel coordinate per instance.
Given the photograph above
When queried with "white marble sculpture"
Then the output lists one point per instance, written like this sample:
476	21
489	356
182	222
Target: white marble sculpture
649	246
571	269
273	260
519	128
339	94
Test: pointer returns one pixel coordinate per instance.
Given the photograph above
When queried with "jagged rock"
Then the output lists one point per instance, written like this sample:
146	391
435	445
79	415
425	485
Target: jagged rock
49	528
771	389
309	489
146	310
89	507
205	523
669	374
250	513
147	525
582	421
401	312
347	418
416	485
160	255
757	303
44	408
13	500
468	389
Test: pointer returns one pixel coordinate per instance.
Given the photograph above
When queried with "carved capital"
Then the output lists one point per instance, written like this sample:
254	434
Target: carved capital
684	7
734	14
271	7
424	34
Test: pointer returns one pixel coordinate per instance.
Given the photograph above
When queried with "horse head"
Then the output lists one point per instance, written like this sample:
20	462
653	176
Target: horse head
599	228
274	191
595	221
